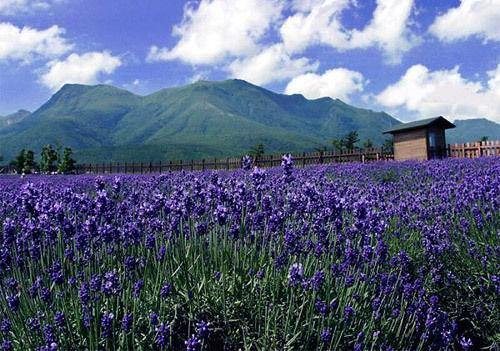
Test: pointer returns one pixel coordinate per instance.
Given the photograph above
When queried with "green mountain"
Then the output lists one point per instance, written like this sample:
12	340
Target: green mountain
14	118
201	120
473	130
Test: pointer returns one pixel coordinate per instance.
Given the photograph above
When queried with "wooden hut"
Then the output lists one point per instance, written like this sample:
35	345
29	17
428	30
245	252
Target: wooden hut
420	140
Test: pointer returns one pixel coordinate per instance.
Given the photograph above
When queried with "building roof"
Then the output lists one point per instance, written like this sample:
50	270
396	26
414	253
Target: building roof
437	121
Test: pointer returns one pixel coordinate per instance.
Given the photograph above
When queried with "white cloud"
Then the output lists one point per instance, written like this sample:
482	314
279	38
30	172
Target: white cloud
270	65
315	22
83	69
25	44
217	29
319	22
335	83
472	18
14	7
445	92
388	29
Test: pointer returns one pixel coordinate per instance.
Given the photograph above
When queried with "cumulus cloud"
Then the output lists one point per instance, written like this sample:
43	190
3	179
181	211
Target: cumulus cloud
315	22
14	7
25	44
83	69
319	22
217	29
335	83
444	92
479	18
271	64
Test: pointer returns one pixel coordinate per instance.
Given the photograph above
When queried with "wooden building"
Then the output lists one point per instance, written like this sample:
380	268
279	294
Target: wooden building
420	140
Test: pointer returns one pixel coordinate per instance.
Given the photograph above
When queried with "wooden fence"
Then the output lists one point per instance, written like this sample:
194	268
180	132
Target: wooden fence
300	160
468	150
475	149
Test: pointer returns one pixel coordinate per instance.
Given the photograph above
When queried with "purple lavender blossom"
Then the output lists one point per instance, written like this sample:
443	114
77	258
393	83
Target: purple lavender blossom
192	344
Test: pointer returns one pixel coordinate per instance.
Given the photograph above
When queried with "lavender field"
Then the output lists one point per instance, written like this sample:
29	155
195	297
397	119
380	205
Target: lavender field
381	256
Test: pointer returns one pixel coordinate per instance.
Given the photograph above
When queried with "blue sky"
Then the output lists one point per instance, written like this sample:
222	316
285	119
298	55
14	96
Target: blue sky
411	58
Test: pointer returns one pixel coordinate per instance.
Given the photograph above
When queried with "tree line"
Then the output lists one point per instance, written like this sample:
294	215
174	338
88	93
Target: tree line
349	142
52	160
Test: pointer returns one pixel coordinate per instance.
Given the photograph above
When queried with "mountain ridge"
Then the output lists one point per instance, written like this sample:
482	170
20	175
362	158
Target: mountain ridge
205	119
225	118
13	118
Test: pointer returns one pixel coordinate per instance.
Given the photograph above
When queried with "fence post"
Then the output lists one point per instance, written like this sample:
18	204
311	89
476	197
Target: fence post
150	167
215	163
203	164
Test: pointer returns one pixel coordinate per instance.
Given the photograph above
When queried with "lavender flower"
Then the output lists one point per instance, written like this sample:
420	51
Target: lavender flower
162	335
295	274
107	324
192	344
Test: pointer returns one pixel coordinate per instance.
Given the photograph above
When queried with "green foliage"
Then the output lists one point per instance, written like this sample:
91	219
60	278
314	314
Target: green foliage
66	163
201	120
484	138
18	162
25	162
257	151
388	146
47	159
29	162
350	140
367	144
338	145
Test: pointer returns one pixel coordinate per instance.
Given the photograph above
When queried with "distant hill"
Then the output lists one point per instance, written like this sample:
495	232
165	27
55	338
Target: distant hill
103	123
14	118
473	130
205	119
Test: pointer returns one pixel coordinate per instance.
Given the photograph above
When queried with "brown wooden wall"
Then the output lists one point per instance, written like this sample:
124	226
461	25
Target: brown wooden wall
410	145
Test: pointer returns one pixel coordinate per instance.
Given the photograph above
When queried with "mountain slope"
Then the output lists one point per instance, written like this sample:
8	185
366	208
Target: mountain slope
14	118
473	130
204	119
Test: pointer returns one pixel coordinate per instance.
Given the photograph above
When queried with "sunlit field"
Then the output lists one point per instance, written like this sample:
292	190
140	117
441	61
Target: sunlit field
380	256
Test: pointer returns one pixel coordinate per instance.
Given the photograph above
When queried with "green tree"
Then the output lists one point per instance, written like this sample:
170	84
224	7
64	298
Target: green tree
29	162
338	144
48	158
257	151
484	138
25	162
18	162
367	144
66	163
350	140
388	146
